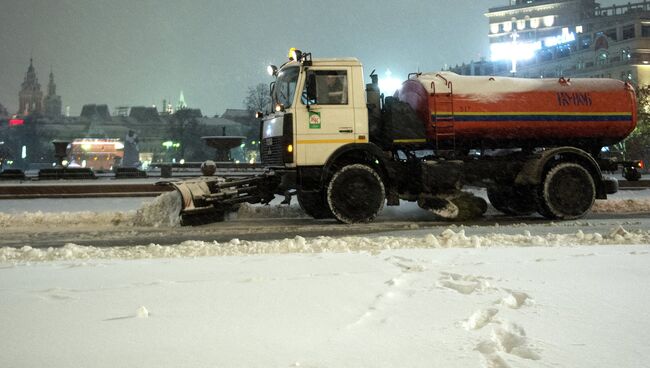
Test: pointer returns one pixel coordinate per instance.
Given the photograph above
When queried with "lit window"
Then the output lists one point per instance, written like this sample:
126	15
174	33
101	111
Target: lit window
534	23
521	24
507	26
494	28
578	29
549	20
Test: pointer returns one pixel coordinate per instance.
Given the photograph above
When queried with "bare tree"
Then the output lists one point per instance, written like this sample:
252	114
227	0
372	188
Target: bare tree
258	98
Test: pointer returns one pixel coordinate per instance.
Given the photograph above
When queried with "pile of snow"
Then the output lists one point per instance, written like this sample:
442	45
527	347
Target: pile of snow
621	206
162	211
447	239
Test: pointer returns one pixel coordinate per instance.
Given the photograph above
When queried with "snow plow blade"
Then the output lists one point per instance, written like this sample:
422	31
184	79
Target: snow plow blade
208	199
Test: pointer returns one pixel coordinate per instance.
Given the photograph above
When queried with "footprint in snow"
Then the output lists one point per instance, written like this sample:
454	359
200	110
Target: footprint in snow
508	338
515	299
480	318
405	264
464	284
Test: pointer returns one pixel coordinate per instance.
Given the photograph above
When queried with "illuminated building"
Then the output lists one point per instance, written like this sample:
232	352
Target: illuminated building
567	38
30	96
98	154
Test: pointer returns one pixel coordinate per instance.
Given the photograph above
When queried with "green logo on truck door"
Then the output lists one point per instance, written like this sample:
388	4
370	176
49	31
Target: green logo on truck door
314	120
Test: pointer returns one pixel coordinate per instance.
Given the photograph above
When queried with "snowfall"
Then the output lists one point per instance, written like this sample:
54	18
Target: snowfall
443	298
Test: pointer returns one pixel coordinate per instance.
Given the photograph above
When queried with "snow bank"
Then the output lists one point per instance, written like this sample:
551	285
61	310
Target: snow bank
235	247
162	211
621	206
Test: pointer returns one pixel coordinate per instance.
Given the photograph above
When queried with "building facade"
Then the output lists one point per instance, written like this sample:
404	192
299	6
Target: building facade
30	96
567	38
52	102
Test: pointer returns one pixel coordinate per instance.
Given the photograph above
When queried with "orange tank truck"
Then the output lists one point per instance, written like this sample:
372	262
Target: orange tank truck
347	148
502	112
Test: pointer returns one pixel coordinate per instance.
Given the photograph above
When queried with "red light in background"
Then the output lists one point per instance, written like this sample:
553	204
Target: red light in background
13	122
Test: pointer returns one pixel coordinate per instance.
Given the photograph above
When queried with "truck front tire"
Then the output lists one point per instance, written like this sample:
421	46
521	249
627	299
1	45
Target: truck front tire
567	192
355	194
314	204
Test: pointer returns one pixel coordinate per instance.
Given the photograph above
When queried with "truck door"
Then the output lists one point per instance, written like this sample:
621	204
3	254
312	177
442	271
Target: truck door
325	115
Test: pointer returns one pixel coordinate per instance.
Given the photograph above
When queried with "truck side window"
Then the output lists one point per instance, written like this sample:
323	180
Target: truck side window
331	87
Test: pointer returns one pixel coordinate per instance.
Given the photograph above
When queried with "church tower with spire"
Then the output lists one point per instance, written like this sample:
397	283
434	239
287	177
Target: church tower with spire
31	97
52	102
181	102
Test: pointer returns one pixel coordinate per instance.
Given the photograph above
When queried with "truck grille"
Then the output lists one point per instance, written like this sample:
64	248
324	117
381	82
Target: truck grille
271	151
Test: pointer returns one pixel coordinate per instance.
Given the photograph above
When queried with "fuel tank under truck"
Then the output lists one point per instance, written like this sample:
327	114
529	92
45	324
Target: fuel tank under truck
474	112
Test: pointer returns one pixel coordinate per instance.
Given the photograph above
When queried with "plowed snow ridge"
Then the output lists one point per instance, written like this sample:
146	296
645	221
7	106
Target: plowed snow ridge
235	247
163	212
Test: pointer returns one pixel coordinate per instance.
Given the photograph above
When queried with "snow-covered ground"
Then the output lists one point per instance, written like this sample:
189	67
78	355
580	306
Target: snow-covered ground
503	297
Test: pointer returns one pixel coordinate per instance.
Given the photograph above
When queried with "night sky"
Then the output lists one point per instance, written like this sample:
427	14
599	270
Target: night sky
125	52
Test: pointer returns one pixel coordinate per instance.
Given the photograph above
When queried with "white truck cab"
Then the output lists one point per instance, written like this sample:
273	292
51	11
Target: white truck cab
325	101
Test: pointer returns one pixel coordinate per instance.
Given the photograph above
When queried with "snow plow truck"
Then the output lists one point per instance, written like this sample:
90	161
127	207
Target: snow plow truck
346	149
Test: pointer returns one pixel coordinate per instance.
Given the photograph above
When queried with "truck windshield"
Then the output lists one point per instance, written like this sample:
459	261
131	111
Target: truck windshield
285	86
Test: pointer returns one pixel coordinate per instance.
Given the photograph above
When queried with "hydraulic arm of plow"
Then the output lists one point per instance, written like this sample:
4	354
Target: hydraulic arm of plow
208	199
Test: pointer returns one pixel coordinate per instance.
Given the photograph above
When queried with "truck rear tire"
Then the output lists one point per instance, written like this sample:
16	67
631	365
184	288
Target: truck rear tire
355	194
314	204
567	192
512	200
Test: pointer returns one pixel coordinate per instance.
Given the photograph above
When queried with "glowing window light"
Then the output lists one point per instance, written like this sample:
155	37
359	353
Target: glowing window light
507	26
521	24
510	51
557	40
494	27
578	29
549	20
534	23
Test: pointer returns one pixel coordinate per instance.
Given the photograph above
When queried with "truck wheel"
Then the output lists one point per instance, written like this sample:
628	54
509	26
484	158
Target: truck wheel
514	201
567	192
355	194
313	203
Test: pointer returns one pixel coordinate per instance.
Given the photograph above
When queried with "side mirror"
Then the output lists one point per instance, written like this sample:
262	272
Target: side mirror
311	87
